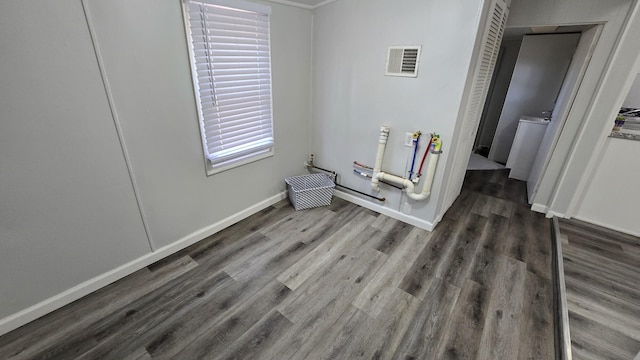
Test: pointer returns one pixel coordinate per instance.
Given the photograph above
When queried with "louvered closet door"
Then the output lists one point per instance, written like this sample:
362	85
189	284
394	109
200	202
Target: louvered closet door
483	70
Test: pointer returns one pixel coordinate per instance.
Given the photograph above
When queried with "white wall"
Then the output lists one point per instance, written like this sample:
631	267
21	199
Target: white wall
537	78
570	86
147	66
570	157
69	217
67	209
492	111
606	104
633	97
352	98
612	196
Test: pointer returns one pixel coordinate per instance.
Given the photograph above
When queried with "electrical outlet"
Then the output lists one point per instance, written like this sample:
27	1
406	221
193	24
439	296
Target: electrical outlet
408	139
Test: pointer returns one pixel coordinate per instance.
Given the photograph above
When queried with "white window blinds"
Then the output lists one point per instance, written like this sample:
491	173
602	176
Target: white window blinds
232	76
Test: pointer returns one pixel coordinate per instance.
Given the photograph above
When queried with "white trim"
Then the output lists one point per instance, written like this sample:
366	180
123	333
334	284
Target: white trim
302	6
438	219
238	162
293	3
194	83
539	208
412	220
565	333
116	123
323	3
626	35
584	66
55	302
551	214
608	226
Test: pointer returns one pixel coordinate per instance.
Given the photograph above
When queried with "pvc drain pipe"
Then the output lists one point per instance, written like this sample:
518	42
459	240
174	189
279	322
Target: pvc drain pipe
407	184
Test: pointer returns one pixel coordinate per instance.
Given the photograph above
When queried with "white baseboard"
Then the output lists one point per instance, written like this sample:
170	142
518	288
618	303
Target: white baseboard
565	333
438	219
551	214
608	226
412	220
545	210
539	208
66	297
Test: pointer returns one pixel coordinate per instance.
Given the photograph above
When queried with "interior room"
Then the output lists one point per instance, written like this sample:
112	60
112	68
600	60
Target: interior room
121	224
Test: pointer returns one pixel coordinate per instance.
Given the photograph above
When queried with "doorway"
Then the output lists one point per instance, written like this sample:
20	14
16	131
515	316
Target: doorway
510	97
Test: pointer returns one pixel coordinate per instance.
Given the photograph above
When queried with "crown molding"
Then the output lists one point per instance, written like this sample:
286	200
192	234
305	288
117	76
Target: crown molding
302	6
292	3
324	3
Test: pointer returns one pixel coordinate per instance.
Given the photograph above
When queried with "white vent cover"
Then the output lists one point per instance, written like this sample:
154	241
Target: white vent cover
403	61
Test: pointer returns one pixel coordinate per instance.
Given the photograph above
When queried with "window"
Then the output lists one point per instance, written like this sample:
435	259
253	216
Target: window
231	69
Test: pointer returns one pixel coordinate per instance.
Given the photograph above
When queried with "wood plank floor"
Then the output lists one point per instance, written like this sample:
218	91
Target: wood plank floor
602	277
339	282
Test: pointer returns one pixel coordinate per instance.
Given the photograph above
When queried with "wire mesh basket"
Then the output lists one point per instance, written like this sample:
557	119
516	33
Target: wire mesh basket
309	191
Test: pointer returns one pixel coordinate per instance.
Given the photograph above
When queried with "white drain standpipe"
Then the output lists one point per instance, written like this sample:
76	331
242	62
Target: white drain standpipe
407	184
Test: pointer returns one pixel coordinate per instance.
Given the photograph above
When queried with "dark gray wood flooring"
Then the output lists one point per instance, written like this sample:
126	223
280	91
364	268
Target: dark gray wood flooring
602	277
339	282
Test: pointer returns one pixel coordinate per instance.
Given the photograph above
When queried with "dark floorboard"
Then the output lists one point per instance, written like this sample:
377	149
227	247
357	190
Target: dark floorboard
338	282
602	278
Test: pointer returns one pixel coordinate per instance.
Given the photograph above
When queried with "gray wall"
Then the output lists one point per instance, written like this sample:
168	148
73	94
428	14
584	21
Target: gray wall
148	71
68	211
352	97
610	199
493	109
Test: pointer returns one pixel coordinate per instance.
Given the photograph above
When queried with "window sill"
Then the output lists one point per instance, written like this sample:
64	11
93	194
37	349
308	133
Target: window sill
211	170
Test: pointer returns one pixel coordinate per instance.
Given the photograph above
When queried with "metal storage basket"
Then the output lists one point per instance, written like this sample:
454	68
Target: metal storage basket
309	191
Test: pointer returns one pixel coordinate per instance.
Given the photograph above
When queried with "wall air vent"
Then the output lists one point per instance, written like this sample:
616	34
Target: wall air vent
403	61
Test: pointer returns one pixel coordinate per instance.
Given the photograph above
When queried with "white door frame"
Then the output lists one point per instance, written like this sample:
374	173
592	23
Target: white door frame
628	51
562	117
